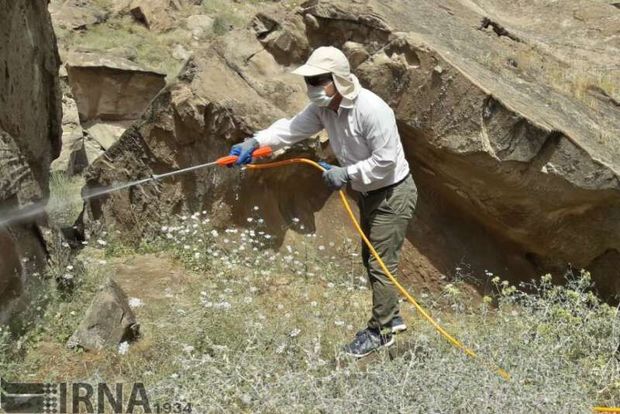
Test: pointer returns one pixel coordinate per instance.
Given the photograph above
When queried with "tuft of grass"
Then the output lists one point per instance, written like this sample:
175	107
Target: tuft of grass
152	50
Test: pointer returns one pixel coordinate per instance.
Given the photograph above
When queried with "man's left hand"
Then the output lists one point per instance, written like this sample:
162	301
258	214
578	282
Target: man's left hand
335	177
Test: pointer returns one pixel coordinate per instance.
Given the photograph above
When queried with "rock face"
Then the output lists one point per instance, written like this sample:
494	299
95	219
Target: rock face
70	159
109	88
517	170
104	95
109	320
30	136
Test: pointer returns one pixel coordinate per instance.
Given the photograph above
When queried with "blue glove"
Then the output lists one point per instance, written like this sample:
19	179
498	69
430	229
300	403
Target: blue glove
335	177
244	151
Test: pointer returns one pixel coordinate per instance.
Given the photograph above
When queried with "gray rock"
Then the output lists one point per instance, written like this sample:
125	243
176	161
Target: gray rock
180	53
72	136
109	320
199	24
30	138
105	133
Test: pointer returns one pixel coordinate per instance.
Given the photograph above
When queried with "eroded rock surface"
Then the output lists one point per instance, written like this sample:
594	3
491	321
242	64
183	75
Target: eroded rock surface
517	172
110	88
30	137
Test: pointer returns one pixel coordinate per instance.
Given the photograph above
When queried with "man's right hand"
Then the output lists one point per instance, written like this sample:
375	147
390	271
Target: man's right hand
244	151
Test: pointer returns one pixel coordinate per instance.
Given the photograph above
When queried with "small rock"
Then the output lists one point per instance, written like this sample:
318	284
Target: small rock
199	24
109	320
180	53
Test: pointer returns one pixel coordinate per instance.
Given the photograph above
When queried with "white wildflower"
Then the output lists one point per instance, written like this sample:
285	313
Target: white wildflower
294	332
135	303
223	305
123	347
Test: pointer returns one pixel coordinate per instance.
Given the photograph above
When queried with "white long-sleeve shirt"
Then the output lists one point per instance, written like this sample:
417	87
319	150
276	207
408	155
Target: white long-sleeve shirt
363	136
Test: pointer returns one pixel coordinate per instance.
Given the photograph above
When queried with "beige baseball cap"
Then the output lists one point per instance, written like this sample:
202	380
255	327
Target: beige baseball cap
328	59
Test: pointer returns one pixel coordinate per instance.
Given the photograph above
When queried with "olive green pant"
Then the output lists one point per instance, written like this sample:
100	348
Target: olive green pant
384	217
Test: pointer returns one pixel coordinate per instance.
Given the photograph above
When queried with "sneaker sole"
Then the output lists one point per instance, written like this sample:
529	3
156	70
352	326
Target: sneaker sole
399	328
386	345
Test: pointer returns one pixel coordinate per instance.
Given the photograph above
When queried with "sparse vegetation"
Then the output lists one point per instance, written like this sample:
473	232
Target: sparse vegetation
258	331
65	202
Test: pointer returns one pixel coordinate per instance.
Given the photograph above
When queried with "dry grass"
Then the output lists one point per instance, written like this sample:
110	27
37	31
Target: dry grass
241	328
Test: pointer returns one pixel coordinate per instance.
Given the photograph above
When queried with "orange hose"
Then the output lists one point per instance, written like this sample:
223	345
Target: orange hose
455	342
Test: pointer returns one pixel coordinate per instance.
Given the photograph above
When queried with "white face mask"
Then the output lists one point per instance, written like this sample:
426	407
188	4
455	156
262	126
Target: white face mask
317	96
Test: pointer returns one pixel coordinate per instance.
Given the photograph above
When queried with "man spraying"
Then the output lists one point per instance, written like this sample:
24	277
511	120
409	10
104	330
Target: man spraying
364	137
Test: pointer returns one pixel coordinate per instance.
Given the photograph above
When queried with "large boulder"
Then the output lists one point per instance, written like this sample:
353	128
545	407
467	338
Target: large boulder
109	88
517	171
30	138
108	321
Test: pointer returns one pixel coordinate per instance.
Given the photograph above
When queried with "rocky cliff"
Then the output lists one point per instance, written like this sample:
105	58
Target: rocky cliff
517	166
29	134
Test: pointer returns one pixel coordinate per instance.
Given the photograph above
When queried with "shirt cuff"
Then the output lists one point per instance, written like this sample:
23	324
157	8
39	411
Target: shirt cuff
265	139
353	171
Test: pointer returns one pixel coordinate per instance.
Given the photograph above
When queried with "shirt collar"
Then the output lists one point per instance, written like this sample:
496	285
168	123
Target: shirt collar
348	103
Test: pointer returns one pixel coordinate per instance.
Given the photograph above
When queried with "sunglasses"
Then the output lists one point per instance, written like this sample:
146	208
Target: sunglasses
319	80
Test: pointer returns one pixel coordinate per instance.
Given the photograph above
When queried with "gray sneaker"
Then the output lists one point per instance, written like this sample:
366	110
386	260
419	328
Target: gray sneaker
367	341
397	325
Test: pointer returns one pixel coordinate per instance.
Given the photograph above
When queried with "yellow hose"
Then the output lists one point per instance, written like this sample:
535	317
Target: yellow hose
455	342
